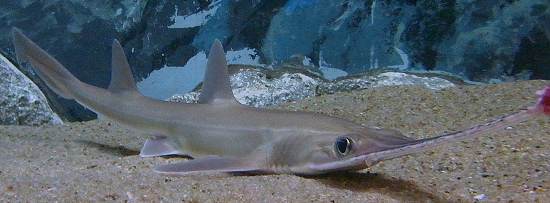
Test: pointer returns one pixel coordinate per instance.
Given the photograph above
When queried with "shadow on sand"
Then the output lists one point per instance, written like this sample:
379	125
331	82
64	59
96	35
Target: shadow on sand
115	150
121	150
371	182
358	182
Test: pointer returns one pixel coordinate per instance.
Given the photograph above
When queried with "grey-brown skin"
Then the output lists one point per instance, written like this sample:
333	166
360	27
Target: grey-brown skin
224	136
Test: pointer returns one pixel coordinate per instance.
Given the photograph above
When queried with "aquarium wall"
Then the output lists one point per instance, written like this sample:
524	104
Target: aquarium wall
482	41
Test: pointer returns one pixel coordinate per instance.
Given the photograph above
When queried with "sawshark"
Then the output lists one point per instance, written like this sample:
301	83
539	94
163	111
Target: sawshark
224	136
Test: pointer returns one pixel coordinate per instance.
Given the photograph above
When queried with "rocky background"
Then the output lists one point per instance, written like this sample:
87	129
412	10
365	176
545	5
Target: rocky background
486	41
263	87
21	102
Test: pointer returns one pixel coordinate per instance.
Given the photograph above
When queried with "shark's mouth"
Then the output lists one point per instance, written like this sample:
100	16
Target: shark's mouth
354	163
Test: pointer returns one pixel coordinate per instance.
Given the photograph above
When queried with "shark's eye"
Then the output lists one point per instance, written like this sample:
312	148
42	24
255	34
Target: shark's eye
343	145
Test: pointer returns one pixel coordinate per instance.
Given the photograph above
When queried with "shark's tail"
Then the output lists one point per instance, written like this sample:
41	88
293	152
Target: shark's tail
61	81
57	77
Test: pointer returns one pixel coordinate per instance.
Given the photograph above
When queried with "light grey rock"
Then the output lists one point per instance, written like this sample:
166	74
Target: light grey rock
396	78
190	97
343	85
21	102
383	79
253	88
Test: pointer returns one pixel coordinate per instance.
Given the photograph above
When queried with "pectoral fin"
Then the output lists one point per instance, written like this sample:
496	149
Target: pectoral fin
210	164
158	146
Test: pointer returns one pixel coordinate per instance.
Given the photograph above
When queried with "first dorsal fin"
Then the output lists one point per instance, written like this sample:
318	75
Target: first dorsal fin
216	88
121	74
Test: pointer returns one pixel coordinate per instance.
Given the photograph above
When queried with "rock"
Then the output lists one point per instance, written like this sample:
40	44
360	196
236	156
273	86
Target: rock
483	41
252	87
383	79
478	40
343	85
480	197
239	24
189	98
21	102
259	88
394	78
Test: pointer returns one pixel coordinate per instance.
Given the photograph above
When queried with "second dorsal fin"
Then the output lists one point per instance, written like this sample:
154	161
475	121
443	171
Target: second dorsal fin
121	74
216	88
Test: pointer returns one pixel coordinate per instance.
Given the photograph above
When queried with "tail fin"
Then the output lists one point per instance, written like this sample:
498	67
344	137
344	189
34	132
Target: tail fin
56	76
62	82
121	74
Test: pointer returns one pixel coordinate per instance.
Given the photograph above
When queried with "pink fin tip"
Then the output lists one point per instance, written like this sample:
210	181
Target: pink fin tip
543	105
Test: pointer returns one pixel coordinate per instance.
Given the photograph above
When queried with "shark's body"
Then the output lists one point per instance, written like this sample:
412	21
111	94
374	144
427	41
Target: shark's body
224	136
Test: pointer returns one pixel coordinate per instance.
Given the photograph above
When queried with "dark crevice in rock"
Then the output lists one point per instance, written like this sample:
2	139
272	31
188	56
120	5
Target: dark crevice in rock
432	23
249	26
534	55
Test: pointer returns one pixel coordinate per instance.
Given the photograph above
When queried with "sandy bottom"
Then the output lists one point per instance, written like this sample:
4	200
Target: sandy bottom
98	160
